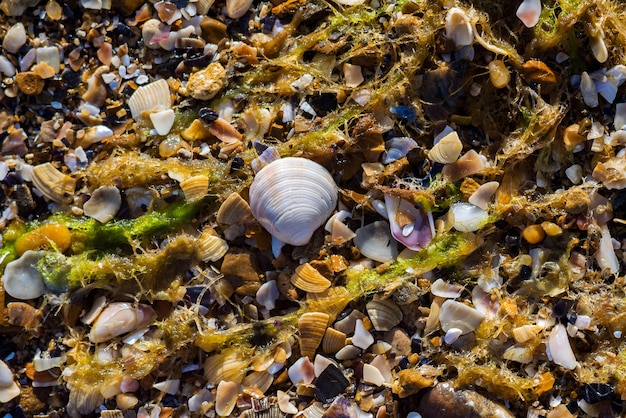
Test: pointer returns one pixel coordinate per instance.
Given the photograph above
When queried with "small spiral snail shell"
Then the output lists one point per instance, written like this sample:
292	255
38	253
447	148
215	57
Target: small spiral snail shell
292	197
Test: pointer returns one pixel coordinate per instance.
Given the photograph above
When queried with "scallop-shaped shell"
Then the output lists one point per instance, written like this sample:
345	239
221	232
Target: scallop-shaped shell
234	210
307	278
211	247
312	327
331	301
384	314
333	341
260	380
155	95
447	150
230	365
292	197
195	188
53	184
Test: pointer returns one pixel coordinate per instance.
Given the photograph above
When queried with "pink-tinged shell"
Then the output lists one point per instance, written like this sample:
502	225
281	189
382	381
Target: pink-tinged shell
292	197
119	318
408	225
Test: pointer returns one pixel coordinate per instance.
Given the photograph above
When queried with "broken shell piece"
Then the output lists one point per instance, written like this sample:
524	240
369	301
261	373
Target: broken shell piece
153	96
348	352
333	341
119	318
104	204
606	257
559	348
284	405
375	241
408	225
302	371
292	197
211	247
525	333
620	116
467	217
267	294
528	12
470	163
612	173
312	326
52	183
446	290
352	75
170	386
8	387
195	132
21	278
362	337
397	148
195	188
384	314
233	210
163	121
15	38
483	194
372	375
588	90
458	28
452	335
447	149
598	47
229	366
226	398
307	278
237	8
455	314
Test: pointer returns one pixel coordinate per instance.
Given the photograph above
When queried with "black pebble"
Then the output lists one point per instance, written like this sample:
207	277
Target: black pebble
330	383
595	392
208	115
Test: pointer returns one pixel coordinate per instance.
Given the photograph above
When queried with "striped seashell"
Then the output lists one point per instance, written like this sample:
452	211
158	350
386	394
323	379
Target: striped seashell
153	96
384	314
195	188
447	150
260	380
211	247
333	341
53	184
331	301
312	326
292	197
234	210
230	365
307	278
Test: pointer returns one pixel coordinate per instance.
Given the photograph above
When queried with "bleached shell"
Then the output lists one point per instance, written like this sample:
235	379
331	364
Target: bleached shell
211	247
260	380
455	314
104	203
53	184
233	210
459	28
292	197
559	348
447	150
384	314
237	8
203	6
307	278
195	188
226	398
375	241
483	194
528	12
333	341
21	279
311	326
525	332
444	289
15	38
119	318
229	365
153	96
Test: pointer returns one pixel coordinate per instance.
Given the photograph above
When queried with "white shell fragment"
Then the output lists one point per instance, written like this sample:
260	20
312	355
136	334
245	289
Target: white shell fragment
408	225
8	387
375	241
103	204
459	28
362	337
163	121
559	348
226	398
302	371
15	38
153	96
21	279
528	12
292	197
606	257
447	149
372	375
169	386
598	47
455	314
268	294
588	90
483	194
446	290
284	405
119	318
353	75
620	116
467	217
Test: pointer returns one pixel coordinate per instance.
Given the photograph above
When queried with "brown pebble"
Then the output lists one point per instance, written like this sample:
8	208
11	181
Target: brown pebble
29	83
410	381
499	74
213	30
242	264
443	401
538	72
534	234
577	202
399	340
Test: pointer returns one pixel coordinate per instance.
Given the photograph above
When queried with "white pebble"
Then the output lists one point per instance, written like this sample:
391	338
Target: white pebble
528	12
163	121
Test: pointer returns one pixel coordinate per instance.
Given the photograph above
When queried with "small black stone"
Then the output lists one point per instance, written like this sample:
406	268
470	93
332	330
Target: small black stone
416	345
208	115
562	307
237	163
525	272
595	392
330	383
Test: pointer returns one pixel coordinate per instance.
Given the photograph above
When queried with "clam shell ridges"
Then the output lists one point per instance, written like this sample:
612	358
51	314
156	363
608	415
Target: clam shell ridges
384	314
234	210
55	185
195	188
333	341
292	197
307	278
312	327
150	97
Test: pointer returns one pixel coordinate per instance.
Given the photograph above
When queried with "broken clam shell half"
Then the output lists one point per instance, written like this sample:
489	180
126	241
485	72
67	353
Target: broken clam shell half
292	197
119	318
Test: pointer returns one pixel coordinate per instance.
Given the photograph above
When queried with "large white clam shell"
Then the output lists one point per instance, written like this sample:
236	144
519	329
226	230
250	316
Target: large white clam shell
292	197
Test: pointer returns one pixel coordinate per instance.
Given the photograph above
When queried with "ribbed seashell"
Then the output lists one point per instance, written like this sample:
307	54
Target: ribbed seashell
53	184
203	6
384	314
211	247
233	210
292	197
237	8
230	365
226	398
316	410
153	96
333	341
260	380
119	318
195	188
15	38
447	150
312	326
307	278
331	301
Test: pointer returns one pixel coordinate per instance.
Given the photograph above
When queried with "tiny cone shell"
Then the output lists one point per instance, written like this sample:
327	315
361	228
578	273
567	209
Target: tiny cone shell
312	327
307	278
